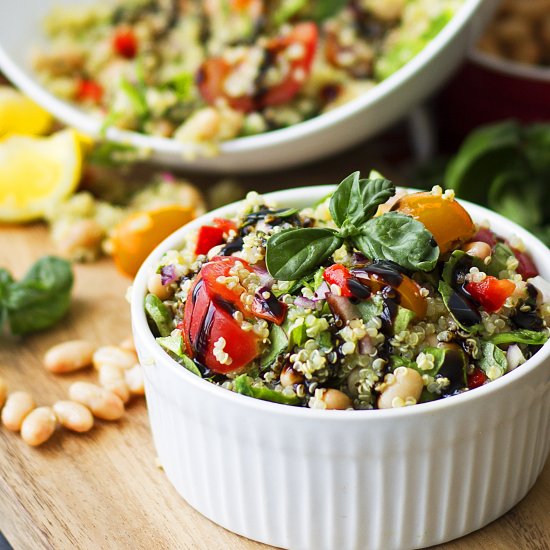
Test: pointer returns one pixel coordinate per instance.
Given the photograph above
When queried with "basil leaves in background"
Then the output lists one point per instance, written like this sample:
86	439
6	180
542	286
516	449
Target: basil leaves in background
295	253
507	167
40	299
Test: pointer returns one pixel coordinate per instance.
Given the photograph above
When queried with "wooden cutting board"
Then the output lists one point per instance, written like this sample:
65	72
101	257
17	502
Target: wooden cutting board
103	489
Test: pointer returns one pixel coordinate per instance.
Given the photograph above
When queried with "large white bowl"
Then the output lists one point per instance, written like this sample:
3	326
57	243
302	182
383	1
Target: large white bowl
376	480
20	28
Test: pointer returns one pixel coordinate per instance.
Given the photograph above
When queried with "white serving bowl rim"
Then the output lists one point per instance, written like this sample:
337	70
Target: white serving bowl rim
142	331
88	123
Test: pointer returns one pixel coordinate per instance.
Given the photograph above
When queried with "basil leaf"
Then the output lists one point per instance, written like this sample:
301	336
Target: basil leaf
522	336
243	385
295	253
458	266
174	345
488	151
398	238
371	308
493	360
287	10
356	200
463	310
366	196
158	315
339	202
41	298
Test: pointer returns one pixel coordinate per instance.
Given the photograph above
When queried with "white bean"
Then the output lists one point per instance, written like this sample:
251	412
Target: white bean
74	416
128	344
103	403
336	399
289	376
69	356
38	426
112	379
155	286
478	249
18	405
402	387
114	355
134	380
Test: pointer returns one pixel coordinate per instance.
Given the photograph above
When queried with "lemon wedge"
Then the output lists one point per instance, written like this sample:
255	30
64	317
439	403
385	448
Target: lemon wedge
37	173
20	115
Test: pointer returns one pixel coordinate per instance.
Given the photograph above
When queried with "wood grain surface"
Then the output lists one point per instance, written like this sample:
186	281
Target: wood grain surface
102	490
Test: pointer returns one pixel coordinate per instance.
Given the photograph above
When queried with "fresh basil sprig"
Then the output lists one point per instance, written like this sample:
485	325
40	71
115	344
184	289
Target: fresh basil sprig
40	299
295	253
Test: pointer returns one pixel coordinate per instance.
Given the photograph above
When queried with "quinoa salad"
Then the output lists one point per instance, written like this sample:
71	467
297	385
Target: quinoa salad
209	71
369	299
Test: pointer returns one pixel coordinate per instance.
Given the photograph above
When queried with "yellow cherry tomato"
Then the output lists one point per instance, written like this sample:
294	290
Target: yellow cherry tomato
443	217
135	237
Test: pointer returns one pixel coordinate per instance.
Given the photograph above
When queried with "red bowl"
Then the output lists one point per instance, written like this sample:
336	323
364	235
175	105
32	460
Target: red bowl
487	89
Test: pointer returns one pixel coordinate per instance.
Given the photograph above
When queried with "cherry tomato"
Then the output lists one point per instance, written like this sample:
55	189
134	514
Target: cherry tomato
339	275
125	43
269	308
491	293
212	235
205	322
476	379
485	236
445	219
214	71
89	90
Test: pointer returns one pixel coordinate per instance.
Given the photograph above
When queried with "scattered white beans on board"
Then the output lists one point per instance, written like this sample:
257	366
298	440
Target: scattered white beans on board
74	416
38	426
112	379
69	356
114	355
134	380
128	344
18	405
103	403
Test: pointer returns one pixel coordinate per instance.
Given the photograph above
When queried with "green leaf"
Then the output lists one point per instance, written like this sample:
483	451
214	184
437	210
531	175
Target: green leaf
493	360
182	84
459	260
508	196
487	152
403	319
41	298
295	332
287	10
174	345
371	308
295	253
339	202
399	238
158	315
278	344
243	385
522	336
323	9
499	259
356	200
463	311
136	97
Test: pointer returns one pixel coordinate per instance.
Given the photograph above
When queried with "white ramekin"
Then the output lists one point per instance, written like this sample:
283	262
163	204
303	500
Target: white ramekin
384	479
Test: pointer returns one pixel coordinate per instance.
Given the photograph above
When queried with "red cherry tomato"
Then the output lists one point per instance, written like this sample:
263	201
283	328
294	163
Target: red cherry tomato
485	236
125	43
212	235
338	275
205	322
89	90
476	379
269	308
491	293
215	70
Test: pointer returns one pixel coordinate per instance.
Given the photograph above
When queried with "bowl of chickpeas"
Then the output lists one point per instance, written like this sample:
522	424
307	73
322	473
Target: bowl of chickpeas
507	73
